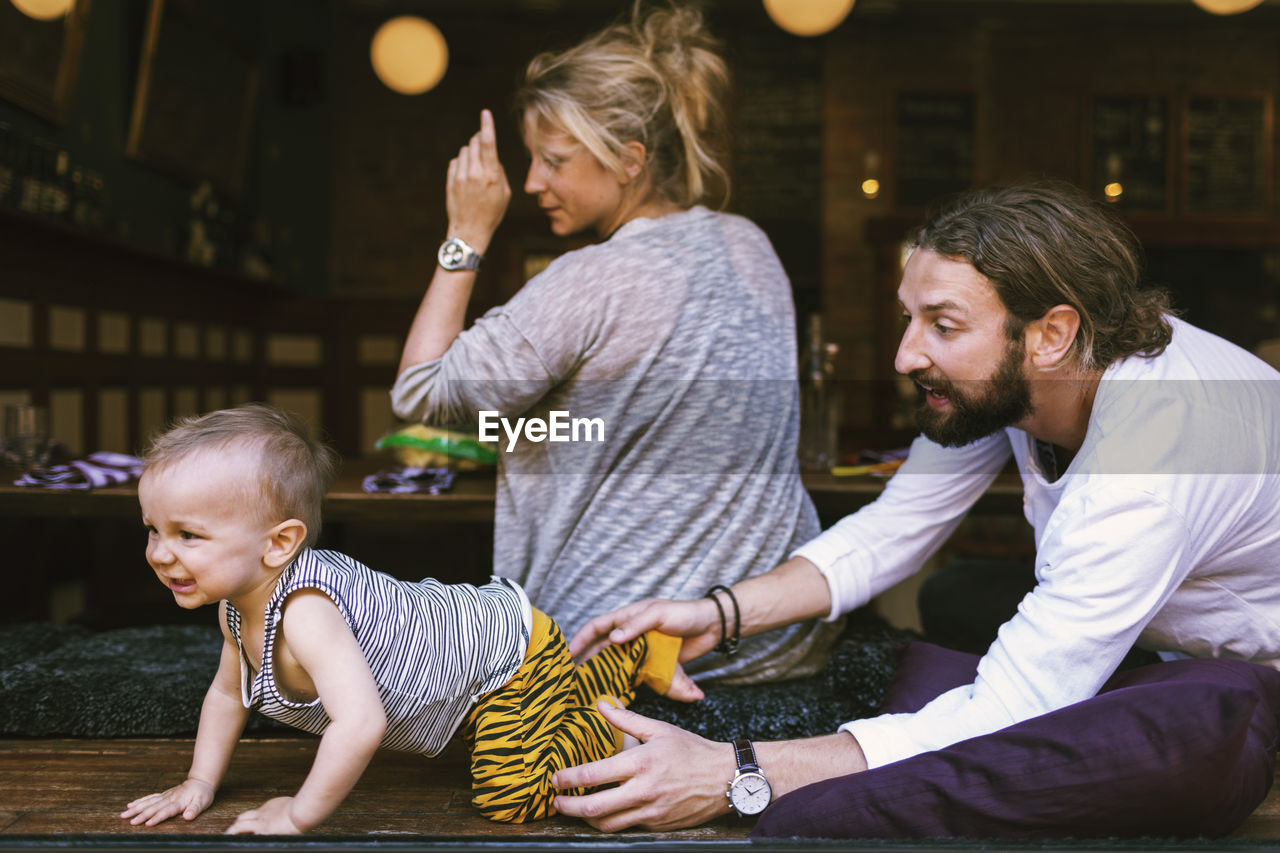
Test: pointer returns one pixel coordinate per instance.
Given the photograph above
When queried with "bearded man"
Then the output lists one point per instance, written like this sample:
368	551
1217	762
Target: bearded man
1149	452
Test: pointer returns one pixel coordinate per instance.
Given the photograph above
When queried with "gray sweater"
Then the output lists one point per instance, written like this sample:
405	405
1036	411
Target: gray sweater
673	345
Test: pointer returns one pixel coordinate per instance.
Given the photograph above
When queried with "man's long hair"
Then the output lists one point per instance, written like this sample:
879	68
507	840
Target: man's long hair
1048	244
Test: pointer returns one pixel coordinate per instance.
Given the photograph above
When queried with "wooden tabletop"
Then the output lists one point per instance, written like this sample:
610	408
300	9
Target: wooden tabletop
470	499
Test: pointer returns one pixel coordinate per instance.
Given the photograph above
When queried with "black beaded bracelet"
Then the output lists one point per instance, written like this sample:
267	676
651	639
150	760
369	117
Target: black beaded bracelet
728	642
724	629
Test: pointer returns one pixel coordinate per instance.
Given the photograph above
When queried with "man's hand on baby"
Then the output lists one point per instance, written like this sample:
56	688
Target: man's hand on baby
665	778
270	818
696	621
188	799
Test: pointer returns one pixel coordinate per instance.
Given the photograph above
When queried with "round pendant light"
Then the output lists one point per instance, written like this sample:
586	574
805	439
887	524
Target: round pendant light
409	54
808	17
44	10
1227	7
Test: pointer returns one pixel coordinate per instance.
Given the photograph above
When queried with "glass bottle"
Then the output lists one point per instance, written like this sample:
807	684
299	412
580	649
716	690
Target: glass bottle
818	411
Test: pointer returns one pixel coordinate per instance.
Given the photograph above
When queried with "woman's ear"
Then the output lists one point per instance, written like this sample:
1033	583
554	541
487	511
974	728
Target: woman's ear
633	160
283	542
1050	338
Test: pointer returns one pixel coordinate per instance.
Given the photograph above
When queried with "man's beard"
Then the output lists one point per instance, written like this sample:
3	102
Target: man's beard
983	407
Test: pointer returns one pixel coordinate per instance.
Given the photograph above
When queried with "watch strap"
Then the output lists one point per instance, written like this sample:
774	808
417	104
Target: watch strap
745	753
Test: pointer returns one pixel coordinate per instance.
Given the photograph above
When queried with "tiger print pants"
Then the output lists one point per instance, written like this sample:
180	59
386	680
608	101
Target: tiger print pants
545	718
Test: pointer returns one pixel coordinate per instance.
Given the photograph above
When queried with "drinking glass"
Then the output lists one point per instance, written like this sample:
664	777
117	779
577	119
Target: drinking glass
26	435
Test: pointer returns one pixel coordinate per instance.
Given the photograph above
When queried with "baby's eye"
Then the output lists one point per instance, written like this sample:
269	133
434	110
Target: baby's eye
188	535
150	528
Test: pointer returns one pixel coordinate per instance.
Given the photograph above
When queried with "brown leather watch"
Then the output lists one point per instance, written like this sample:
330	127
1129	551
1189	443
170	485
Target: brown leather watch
749	792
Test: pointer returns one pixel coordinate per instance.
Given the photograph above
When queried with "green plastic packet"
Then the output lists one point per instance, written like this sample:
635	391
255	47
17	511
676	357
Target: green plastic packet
452	446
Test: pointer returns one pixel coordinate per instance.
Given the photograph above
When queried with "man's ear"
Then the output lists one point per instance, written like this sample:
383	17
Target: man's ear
283	542
1049	339
633	159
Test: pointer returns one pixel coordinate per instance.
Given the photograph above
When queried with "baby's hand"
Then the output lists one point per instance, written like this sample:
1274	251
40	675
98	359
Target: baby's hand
188	799
270	818
683	687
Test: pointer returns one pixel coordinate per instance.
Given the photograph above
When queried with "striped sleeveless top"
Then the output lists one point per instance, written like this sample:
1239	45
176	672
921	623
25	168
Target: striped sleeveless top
433	648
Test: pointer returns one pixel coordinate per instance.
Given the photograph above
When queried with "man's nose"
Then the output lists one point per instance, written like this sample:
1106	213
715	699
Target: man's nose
910	355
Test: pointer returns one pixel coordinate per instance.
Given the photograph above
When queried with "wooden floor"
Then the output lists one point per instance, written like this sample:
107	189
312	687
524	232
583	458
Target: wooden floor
56	788
81	786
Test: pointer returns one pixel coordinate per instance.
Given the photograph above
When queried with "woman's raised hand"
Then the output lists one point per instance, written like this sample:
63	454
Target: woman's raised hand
696	621
476	190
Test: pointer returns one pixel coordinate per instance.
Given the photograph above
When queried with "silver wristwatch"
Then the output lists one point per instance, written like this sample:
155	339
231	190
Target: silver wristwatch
455	254
749	792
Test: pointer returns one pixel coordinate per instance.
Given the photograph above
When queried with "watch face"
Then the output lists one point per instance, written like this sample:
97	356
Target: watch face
750	793
451	255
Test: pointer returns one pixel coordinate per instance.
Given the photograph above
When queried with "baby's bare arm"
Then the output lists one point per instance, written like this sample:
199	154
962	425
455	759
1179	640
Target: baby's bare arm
320	641
222	719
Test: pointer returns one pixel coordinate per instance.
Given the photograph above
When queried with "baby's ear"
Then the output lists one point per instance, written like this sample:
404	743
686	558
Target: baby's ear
283	542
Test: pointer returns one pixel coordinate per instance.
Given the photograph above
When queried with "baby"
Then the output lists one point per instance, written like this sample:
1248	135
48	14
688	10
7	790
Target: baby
231	502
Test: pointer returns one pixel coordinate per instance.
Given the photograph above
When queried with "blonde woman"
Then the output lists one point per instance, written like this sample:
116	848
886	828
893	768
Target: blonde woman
643	388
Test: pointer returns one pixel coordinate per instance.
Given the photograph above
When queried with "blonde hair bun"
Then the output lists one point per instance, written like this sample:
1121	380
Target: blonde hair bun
657	79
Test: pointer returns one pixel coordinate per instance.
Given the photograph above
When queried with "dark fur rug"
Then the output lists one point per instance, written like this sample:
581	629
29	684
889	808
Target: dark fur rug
150	682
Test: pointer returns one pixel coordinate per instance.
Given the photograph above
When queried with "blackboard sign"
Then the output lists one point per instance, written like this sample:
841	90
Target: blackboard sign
777	145
933	147
194	103
1227	155
777	150
1130	151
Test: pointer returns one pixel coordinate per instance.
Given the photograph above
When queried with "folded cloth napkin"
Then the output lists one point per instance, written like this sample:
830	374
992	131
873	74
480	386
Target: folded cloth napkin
403	480
97	469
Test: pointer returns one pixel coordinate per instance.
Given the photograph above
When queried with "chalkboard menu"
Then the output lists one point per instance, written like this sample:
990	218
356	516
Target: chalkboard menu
933	146
777	150
1130	151
1227	156
778	130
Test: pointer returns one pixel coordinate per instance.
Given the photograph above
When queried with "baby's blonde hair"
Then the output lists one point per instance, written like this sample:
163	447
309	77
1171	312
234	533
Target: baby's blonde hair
294	471
657	79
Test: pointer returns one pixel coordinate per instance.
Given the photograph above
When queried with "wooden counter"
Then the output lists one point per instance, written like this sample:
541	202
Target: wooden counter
470	499
91	542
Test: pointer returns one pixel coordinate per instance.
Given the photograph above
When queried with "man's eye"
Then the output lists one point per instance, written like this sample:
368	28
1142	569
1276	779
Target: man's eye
943	329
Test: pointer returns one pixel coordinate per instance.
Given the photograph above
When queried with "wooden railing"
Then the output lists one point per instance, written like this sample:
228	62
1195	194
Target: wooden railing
118	341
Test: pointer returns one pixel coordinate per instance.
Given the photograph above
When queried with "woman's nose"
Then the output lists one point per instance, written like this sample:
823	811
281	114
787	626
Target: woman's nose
533	182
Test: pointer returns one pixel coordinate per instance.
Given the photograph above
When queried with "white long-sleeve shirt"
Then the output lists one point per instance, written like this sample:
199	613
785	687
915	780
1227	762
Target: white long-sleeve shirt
1164	531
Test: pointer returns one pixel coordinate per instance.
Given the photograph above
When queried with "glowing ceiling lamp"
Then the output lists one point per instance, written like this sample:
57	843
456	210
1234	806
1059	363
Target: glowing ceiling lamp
44	10
409	54
808	17
1227	7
